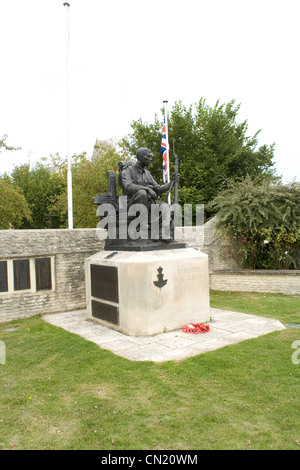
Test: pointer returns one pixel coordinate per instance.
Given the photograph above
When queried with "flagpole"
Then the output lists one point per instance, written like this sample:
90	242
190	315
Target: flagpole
167	143
69	178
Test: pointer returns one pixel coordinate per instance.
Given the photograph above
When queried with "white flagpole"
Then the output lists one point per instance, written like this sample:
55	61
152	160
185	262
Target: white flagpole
167	142
70	196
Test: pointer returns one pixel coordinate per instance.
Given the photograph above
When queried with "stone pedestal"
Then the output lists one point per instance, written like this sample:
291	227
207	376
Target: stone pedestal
145	293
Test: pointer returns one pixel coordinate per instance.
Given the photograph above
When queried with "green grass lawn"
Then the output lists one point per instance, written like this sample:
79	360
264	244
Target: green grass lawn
285	308
59	391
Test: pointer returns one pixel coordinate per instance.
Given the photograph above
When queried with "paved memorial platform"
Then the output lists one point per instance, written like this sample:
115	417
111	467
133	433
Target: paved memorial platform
226	328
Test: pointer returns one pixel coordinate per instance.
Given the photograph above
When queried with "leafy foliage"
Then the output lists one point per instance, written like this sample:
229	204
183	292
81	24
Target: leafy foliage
36	198
211	145
262	220
41	186
89	178
14	209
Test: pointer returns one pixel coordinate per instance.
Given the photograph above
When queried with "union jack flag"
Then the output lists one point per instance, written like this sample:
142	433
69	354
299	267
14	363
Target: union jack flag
164	153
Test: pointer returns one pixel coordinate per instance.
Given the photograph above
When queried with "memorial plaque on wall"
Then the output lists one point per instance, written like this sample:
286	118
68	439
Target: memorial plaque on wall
21	274
106	312
43	273
104	282
3	276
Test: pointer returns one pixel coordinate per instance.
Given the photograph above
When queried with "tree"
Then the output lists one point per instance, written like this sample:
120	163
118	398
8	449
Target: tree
262	221
211	145
45	188
41	186
89	178
13	206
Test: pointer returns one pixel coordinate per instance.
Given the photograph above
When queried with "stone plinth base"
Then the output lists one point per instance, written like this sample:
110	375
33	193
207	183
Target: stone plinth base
146	293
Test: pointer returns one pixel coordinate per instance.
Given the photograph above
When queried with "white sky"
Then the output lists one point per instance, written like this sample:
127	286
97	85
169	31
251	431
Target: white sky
127	56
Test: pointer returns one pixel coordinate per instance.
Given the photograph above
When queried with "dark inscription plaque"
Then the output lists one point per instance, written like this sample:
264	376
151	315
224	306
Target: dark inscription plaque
3	276
104	282
21	274
43	273
106	312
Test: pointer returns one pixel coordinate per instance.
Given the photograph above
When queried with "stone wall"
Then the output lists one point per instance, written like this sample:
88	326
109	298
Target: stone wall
284	282
67	250
217	248
210	242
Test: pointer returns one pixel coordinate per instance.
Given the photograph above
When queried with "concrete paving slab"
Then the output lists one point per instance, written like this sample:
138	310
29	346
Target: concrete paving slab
226	328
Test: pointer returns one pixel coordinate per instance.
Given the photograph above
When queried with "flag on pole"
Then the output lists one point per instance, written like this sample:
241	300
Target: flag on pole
164	152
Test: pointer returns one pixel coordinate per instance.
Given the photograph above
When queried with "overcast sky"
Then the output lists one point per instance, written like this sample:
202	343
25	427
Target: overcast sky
127	56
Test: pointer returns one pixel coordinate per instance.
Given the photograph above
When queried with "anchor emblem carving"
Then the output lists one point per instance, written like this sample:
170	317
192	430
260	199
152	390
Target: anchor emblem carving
161	282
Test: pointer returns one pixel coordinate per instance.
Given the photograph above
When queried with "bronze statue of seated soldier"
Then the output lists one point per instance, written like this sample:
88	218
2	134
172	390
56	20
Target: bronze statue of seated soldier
140	193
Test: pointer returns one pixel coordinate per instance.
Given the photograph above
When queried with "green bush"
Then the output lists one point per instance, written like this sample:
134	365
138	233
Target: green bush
261	219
